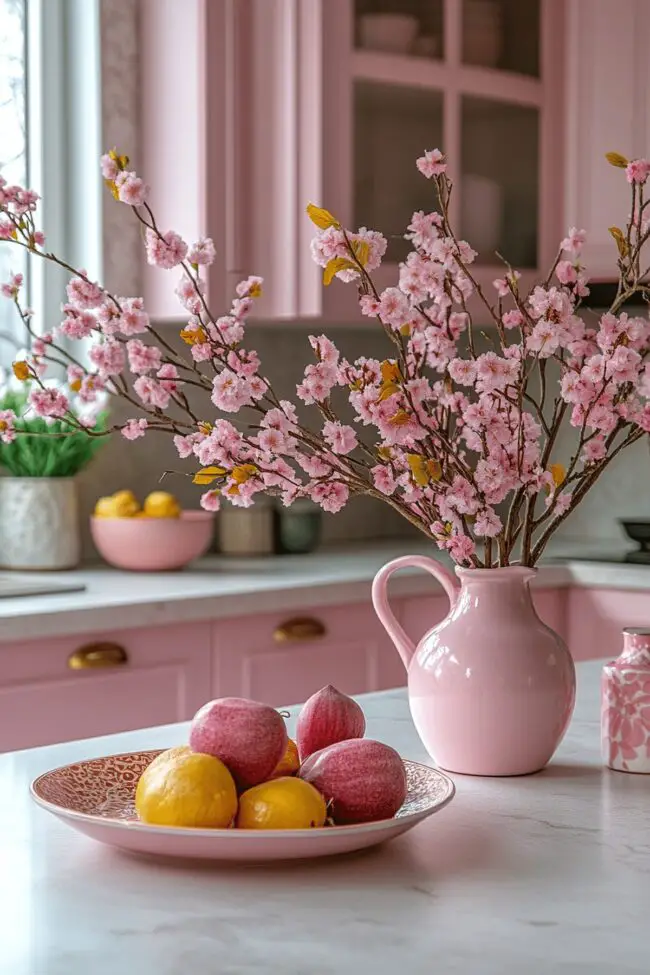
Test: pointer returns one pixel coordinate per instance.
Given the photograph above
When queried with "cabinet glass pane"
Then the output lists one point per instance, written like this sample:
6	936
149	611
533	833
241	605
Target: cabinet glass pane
392	127
500	180
400	26
502	34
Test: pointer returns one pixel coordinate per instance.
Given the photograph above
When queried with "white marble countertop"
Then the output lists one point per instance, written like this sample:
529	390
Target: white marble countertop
548	873
219	587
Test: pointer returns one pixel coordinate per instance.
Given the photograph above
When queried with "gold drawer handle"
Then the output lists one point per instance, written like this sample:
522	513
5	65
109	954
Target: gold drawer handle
301	628
95	655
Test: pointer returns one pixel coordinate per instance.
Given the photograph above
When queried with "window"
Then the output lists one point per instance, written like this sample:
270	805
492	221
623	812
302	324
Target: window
50	126
13	145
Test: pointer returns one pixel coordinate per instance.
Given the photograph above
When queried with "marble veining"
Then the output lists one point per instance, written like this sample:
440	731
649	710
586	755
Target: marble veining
547	873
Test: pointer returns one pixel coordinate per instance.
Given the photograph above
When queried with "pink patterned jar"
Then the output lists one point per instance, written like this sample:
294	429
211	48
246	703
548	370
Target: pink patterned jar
625	706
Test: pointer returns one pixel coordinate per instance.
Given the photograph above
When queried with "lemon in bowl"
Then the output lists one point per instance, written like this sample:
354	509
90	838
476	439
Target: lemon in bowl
159	538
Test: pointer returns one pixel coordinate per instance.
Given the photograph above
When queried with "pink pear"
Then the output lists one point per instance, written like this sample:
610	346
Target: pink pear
250	738
327	717
362	779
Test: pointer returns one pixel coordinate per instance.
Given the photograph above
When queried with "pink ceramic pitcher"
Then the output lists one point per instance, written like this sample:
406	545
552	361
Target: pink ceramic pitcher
491	687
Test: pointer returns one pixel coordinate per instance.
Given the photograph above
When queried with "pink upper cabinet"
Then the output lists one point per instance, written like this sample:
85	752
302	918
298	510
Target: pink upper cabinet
254	108
607	79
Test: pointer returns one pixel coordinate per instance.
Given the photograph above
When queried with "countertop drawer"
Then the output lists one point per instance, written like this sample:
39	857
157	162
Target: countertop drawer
284	658
68	688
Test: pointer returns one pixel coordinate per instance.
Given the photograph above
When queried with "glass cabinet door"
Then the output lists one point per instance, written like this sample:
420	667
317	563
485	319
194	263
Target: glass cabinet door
499	183
502	34
392	127
410	27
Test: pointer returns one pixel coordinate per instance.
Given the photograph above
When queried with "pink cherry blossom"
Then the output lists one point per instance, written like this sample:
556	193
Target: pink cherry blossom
84	294
330	495
637	171
151	392
143	358
166	250
131	189
184	445
512	319
77	324
11	288
574	241
383	479
109	357
461	548
109	167
487	523
7	428
211	500
341	438
134	429
202	251
230	392
49	403
133	319
432	163
566	272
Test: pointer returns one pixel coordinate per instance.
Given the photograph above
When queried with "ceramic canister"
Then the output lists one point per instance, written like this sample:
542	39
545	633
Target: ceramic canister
625	705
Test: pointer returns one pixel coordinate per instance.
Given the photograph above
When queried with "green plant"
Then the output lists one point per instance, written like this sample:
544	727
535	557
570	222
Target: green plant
46	448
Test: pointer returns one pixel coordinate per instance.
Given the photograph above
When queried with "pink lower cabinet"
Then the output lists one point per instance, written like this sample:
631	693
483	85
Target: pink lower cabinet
79	687
283	658
596	618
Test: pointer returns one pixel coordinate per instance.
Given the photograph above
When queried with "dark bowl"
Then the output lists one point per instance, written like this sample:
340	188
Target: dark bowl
638	529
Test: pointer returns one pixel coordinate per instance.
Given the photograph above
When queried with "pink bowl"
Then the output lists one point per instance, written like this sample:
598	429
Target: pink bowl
153	544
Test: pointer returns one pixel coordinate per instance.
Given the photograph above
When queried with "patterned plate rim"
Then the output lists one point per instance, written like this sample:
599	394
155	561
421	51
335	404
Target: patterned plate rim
233	835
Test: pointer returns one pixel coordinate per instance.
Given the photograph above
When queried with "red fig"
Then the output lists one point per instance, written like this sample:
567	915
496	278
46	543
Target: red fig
364	780
249	738
327	717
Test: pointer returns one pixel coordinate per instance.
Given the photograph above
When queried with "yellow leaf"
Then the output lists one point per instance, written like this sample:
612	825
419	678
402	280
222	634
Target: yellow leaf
122	161
208	474
21	370
388	390
386	453
616	159
621	242
243	473
255	290
417	463
113	188
193	336
400	419
321	217
405	330
424	471
390	371
361	251
75	385
558	472
334	266
205	427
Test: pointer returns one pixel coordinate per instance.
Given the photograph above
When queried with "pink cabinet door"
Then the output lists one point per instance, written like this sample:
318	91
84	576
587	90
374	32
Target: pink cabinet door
281	660
149	677
596	618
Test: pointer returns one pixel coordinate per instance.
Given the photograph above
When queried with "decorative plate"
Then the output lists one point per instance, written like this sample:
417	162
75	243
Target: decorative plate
96	797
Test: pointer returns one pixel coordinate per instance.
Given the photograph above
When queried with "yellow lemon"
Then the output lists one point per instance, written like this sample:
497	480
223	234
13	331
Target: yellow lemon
171	754
122	504
289	763
187	789
285	803
105	508
160	504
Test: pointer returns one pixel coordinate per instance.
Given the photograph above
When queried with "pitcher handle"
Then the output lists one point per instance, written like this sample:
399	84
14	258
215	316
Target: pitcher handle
403	643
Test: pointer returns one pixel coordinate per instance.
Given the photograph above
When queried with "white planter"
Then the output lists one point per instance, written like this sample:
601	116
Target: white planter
39	523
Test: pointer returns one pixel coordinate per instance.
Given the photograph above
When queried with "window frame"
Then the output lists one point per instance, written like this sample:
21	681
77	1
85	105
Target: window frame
64	142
